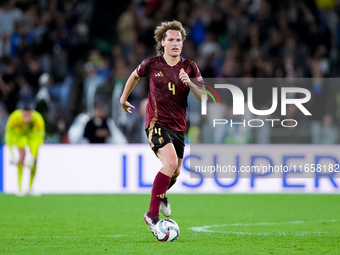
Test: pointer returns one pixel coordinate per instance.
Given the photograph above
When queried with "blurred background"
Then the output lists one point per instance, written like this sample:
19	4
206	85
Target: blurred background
70	59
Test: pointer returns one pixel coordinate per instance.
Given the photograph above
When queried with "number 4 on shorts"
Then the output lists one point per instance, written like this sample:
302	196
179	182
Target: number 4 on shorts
158	131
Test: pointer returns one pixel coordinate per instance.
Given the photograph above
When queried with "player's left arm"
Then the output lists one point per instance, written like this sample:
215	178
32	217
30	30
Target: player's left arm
196	90
36	137
39	124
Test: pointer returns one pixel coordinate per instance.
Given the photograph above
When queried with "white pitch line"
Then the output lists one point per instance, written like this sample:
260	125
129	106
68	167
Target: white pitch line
59	237
114	236
207	229
273	234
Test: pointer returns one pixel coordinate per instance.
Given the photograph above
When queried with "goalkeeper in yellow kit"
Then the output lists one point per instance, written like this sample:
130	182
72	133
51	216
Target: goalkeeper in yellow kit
25	127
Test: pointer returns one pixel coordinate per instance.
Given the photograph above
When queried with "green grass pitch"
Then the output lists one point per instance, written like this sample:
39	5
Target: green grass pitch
112	224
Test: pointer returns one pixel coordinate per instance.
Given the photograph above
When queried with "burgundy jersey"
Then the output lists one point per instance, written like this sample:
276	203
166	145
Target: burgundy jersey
168	96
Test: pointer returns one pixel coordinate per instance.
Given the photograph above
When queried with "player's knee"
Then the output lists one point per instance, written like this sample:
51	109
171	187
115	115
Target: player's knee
171	165
21	157
21	160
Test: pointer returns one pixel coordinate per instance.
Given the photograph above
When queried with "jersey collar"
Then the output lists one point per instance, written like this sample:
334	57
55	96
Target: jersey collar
178	63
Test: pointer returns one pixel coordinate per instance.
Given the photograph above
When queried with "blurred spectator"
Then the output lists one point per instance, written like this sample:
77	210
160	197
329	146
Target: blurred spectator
44	104
92	81
97	129
20	41
199	21
126	26
237	24
32	74
209	48
9	87
135	132
236	131
3	121
9	16
325	132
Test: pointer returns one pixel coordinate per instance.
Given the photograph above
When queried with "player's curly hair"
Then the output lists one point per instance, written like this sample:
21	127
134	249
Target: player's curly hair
160	33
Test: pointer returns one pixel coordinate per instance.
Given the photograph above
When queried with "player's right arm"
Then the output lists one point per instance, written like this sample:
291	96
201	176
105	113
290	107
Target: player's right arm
13	121
11	129
130	84
39	130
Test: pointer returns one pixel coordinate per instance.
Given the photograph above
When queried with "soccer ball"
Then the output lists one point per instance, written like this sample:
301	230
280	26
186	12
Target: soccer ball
167	230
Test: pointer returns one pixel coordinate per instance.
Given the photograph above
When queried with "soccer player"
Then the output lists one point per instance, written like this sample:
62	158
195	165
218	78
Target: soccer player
165	122
25	127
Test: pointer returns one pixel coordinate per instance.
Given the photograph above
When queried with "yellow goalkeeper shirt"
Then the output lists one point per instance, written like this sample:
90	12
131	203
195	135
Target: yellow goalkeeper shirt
17	127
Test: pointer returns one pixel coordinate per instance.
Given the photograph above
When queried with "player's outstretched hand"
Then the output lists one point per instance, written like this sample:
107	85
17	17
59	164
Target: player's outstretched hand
127	106
29	162
13	160
184	77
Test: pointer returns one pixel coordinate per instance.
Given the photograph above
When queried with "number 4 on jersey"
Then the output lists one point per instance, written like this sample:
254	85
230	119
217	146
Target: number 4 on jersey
172	88
158	131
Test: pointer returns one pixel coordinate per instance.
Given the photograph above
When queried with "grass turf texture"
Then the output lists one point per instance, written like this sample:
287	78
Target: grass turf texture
112	224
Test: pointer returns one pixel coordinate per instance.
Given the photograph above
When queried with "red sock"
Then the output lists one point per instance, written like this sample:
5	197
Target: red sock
160	185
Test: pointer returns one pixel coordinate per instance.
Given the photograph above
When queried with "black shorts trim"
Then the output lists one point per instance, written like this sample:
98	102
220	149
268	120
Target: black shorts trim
160	135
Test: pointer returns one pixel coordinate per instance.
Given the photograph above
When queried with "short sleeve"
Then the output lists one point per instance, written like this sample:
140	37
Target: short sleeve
196	75
142	69
12	120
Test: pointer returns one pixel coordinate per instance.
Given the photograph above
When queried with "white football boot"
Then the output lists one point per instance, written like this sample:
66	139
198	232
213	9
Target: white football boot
151	223
33	193
165	207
